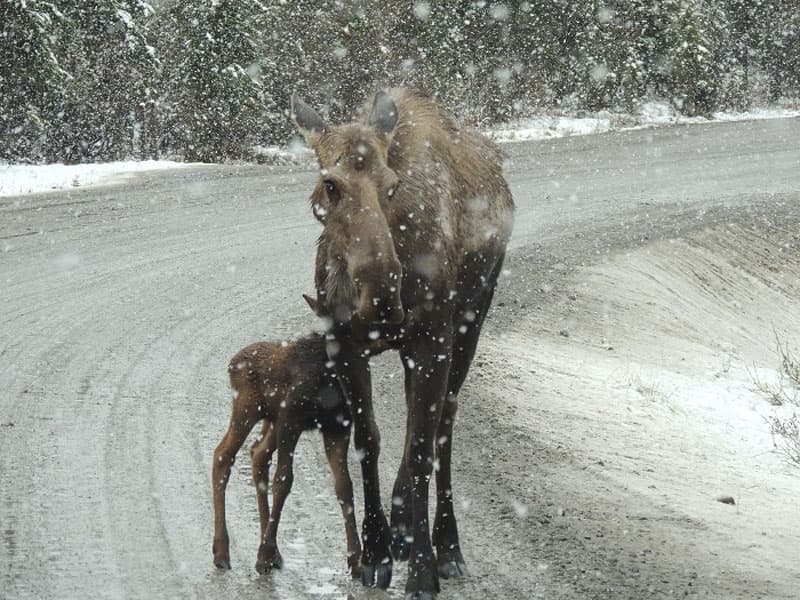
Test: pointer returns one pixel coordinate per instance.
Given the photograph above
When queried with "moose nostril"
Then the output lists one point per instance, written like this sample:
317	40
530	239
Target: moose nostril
389	312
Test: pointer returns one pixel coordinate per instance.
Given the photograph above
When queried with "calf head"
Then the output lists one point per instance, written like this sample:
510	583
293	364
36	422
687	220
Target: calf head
350	199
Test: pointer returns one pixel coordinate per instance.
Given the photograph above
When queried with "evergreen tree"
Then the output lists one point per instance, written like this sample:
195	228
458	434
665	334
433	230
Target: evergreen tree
109	97
617	54
779	41
209	79
359	53
215	82
31	77
308	53
694	54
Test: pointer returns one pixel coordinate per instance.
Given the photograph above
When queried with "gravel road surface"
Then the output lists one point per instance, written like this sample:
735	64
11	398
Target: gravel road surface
121	306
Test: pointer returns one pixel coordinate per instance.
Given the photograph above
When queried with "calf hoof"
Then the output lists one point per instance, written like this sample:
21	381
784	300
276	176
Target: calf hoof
400	546
420	596
354	565
269	560
379	575
222	559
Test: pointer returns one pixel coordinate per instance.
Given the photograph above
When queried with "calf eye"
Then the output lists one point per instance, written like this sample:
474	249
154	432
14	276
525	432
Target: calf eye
330	187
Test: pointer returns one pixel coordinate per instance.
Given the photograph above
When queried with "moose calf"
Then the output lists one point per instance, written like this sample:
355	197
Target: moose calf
289	387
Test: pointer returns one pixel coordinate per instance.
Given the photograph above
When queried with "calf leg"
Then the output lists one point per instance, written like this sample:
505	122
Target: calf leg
268	555
261	454
243	416
336	451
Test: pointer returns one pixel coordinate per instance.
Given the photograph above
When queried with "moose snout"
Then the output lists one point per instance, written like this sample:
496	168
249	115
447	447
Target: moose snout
380	302
376	309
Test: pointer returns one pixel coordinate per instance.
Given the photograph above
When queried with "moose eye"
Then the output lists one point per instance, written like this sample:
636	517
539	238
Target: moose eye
330	187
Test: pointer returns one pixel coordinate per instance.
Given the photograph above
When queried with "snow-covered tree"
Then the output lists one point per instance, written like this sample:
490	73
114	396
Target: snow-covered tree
215	80
617	53
31	77
108	99
778	37
693	46
209	79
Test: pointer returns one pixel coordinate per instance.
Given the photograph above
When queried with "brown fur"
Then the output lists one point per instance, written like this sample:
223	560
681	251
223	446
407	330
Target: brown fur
451	198
406	189
290	389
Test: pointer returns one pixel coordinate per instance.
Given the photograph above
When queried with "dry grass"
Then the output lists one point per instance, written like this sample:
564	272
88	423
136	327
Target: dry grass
790	363
787	389
785	430
786	437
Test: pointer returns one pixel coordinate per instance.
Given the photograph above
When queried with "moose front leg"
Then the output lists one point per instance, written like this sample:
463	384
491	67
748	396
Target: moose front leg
427	366
400	523
352	370
468	324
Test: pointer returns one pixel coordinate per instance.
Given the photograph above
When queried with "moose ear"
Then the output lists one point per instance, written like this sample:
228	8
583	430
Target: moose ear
384	113
312	303
310	124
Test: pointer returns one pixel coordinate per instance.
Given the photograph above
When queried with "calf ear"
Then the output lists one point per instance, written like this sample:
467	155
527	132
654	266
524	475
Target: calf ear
384	113
310	124
312	303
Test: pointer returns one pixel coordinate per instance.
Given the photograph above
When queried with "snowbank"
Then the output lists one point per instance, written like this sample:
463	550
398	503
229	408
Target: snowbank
652	114
646	377
16	180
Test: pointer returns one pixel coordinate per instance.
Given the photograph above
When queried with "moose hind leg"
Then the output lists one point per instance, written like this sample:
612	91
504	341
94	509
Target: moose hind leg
449	559
468	324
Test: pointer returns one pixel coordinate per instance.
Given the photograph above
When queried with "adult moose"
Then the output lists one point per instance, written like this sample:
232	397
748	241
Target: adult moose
416	216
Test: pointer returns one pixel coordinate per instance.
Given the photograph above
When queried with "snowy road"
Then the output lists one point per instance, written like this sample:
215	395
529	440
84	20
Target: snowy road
122	305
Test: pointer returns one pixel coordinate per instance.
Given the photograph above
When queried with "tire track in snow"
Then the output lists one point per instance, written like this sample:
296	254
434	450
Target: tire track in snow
174	239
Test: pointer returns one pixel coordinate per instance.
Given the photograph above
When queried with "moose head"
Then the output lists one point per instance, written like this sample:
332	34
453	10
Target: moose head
351	200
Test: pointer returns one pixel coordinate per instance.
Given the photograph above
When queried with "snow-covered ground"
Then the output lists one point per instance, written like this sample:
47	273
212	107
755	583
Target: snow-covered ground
646	373
16	180
652	114
587	465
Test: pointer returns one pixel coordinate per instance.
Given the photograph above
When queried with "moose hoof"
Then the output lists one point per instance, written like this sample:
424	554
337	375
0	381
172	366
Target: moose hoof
265	564
452	569
400	547
420	596
379	576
